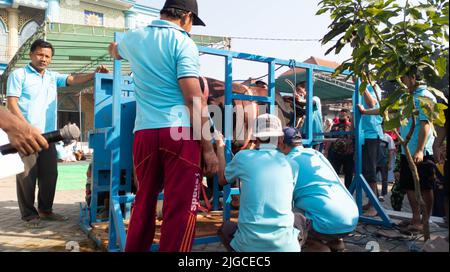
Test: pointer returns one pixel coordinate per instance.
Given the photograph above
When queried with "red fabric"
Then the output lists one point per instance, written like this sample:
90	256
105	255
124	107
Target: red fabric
161	162
392	134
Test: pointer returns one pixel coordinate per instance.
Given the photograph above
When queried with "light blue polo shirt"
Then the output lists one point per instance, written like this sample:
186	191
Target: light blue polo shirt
320	193
37	95
160	54
371	124
317	123
266	220
404	130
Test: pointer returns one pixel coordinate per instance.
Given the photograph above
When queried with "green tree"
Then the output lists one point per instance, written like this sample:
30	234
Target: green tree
388	40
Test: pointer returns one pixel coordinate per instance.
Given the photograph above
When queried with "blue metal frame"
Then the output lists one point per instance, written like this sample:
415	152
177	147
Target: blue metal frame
112	139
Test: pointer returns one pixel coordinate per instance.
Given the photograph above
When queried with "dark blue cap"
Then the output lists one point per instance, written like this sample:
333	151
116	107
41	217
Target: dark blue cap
292	135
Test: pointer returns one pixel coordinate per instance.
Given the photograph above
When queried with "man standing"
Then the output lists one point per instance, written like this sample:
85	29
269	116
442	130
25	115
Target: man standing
373	132
421	148
267	178
385	157
165	64
341	151
31	96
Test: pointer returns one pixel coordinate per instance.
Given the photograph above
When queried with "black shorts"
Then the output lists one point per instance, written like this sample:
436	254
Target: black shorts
426	170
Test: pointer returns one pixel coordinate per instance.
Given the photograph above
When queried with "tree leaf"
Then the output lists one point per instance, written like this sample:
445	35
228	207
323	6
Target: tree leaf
386	103
440	116
393	122
438	94
441	66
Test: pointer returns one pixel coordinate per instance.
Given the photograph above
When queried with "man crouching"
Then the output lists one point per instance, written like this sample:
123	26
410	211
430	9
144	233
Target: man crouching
330	212
266	220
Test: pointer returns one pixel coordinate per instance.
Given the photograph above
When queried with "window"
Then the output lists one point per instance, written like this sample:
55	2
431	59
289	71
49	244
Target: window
3	42
93	18
27	31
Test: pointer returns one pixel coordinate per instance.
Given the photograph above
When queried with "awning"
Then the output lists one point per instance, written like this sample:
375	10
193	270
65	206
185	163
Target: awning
325	86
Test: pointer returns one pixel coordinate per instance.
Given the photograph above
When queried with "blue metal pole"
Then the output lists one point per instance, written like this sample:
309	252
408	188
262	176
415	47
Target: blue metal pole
228	126
358	147
271	83
117	234
309	107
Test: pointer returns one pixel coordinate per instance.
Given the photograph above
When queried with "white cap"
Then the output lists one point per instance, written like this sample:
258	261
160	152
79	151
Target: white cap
267	125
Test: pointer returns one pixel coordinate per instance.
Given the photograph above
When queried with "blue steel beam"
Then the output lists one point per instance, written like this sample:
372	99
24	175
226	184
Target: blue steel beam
275	61
228	125
117	235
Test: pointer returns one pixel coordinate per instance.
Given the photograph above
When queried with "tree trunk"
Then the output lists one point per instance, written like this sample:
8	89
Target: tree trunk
422	206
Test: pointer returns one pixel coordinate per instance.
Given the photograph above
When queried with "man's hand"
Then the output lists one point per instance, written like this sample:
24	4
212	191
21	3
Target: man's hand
211	163
114	51
361	109
102	69
25	138
218	137
418	157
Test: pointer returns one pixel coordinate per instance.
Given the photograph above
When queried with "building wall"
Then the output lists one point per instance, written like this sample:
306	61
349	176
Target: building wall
145	19
75	14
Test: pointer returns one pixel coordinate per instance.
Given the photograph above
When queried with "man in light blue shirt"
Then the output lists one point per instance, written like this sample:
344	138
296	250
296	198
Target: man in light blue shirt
373	132
320	194
421	148
32	97
168	144
267	178
317	123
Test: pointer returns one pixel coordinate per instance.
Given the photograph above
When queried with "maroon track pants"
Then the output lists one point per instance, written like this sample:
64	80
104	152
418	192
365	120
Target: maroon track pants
161	162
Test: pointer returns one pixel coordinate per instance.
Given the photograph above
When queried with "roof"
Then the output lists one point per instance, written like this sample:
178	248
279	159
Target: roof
325	86
81	48
312	60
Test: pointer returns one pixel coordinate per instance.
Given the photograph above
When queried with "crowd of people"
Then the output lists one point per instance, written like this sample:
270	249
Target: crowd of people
292	197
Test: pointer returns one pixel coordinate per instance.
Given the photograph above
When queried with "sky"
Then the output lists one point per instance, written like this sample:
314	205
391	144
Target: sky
280	19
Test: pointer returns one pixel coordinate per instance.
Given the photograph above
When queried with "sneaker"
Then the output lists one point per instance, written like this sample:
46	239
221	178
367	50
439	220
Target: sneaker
381	198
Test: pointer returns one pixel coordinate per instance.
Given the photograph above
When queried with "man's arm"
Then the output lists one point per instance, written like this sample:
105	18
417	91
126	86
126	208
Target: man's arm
13	106
423	136
369	99
83	78
220	145
113	50
190	87
368	111
22	136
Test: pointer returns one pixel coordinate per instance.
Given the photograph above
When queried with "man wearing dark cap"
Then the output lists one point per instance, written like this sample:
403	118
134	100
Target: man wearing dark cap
319	194
165	64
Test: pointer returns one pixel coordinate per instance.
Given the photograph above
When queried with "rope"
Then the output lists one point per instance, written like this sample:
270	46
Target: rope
236	80
277	39
292	64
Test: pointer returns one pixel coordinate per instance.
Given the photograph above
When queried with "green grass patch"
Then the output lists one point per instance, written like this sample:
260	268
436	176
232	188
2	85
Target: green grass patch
71	176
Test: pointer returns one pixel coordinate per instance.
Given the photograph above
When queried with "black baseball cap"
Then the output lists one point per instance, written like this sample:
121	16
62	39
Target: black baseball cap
292	135
186	5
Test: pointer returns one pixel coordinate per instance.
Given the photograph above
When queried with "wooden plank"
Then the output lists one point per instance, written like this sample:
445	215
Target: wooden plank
406	215
207	225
